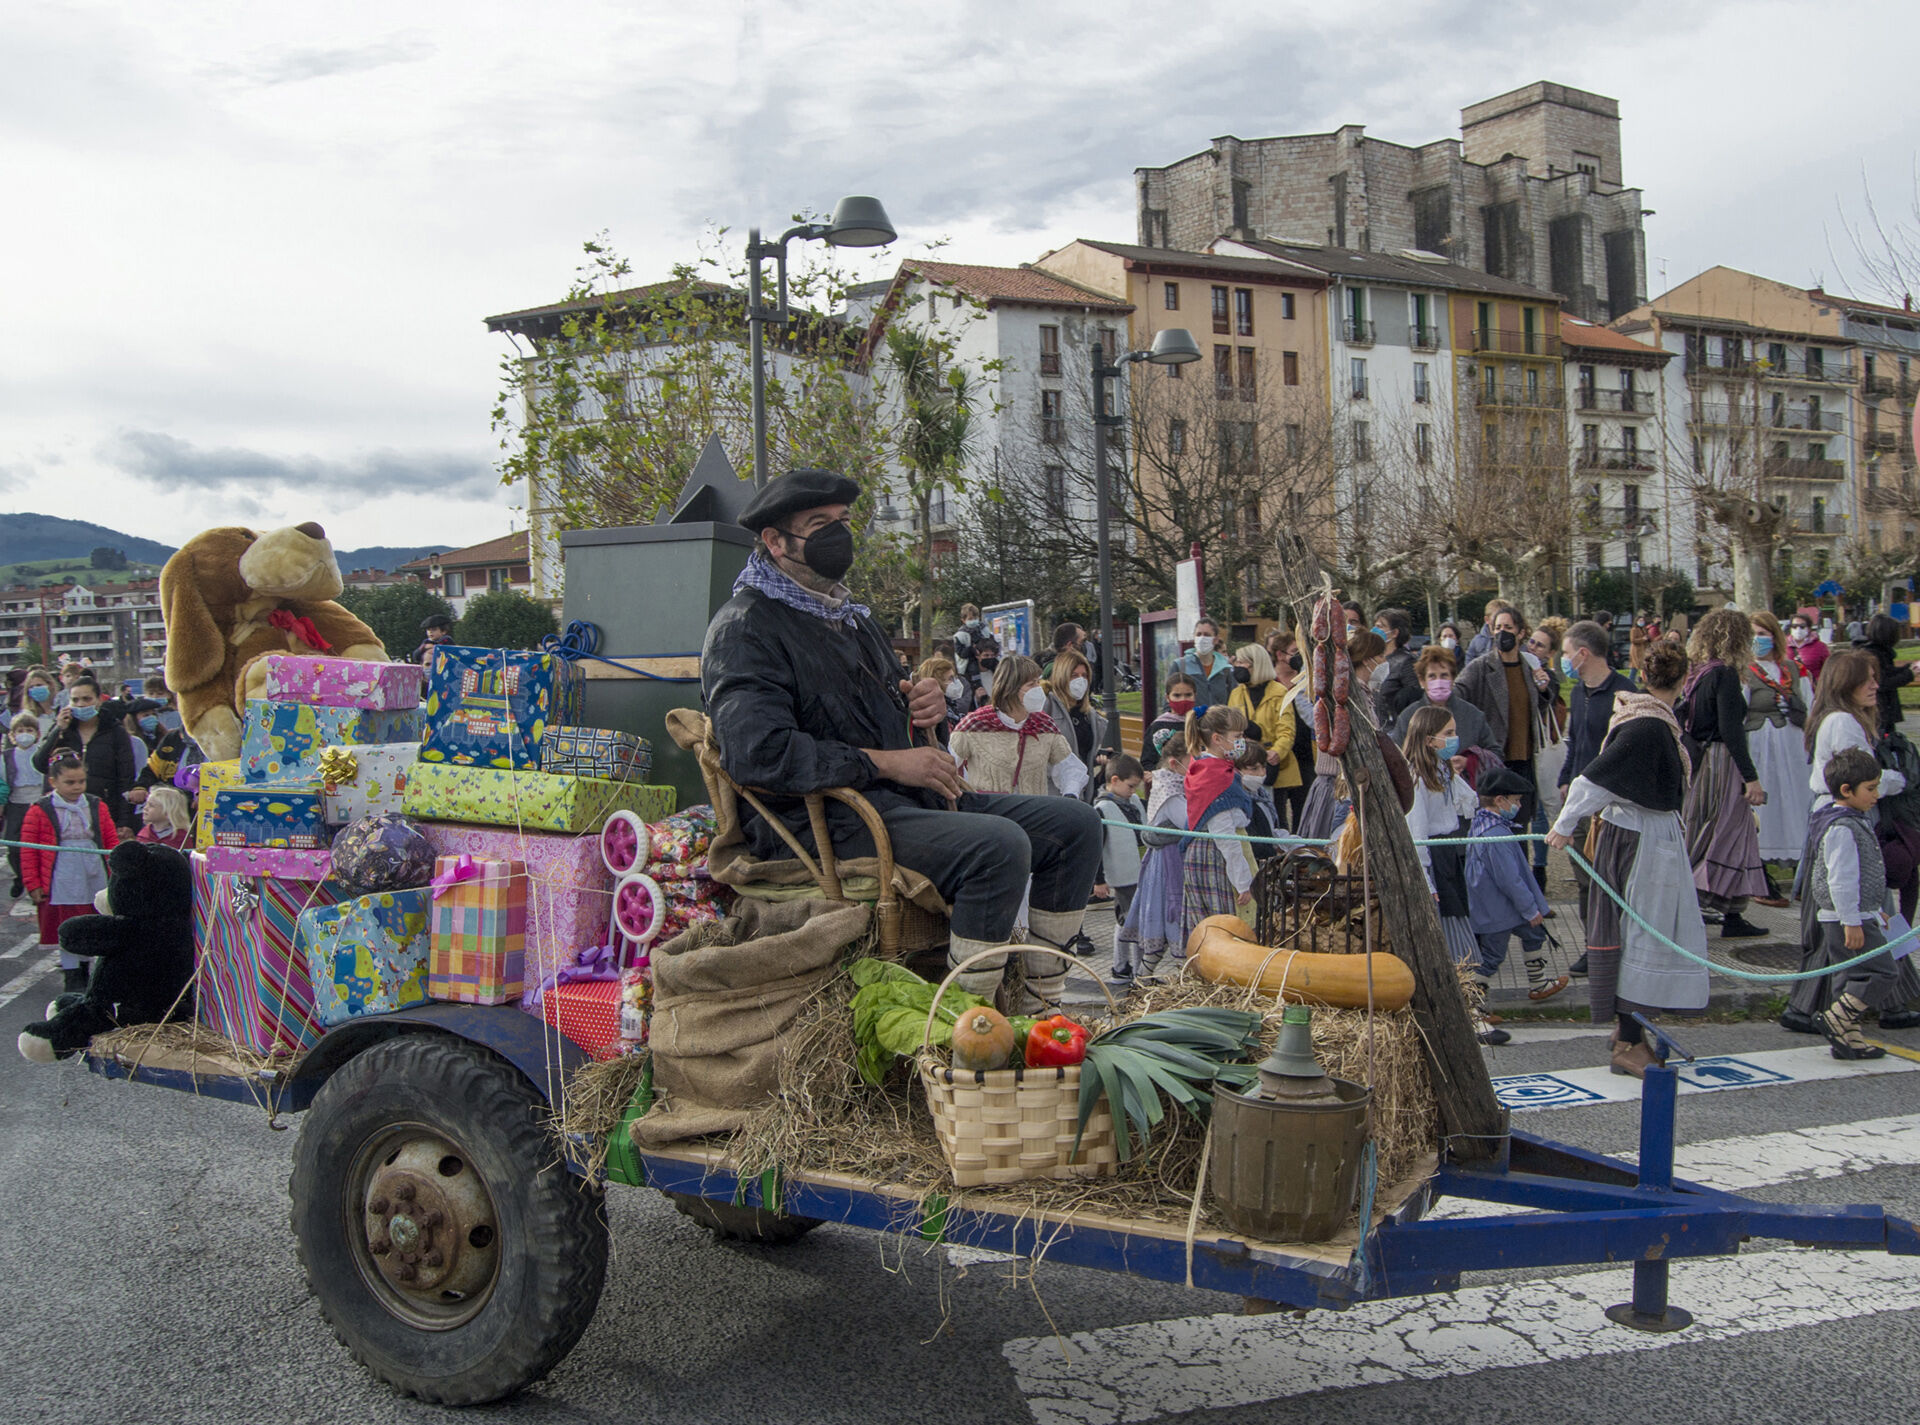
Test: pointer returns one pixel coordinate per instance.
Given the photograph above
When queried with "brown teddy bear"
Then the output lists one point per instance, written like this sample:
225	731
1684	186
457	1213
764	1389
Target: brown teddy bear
230	597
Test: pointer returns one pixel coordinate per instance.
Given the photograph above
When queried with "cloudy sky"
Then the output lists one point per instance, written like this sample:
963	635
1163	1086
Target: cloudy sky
248	248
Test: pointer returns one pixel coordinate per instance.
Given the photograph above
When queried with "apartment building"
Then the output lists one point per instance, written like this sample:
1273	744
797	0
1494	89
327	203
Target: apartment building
1627	508
1887	343
1531	192
118	626
459	575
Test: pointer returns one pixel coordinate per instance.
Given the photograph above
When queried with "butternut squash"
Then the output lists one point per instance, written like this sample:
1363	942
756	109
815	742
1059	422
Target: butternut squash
1224	952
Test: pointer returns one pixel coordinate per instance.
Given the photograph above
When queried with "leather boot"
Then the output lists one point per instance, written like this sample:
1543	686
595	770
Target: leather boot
984	978
1632	1060
1050	931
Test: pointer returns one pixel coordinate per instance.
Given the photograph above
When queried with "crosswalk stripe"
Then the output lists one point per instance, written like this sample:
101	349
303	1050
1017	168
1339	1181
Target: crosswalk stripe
1576	1088
29	977
27	942
1142	1372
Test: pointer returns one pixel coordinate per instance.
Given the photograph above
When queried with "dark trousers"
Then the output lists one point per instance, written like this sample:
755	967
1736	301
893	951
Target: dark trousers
979	857
1292	801
1493	947
1531	810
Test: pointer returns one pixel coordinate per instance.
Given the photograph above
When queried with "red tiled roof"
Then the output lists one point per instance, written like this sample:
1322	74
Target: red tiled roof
1855	304
1588	337
1027	286
507	549
624	295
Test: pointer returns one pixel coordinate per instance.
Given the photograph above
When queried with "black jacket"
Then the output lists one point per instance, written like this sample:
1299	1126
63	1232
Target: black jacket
1589	710
1717	712
1641	763
1398	688
793	699
1893	677
108	759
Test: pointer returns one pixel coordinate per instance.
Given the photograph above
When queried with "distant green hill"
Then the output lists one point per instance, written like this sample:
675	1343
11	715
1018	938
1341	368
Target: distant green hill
43	549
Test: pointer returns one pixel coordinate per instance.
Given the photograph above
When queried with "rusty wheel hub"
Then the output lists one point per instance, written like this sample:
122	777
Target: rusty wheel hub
430	1225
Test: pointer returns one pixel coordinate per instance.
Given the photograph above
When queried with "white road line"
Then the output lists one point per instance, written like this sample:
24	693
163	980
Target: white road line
29	977
1547	1034
1576	1088
27	942
1134	1373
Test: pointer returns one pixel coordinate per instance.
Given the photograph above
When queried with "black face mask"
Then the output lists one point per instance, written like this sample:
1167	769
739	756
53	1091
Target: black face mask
1243	676
1295	662
828	550
1506	642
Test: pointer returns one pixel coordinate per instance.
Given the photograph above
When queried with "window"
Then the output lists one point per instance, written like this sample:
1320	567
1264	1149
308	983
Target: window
1357	371
1049	351
1236	445
1246	373
1170	295
1362	441
1050	423
1589	443
1816	361
1819	515
1176	436
1594	556
496	580
1533	385
1286	307
454	584
1421	316
1423	443
1491	381
1483	318
1817	452
1628	396
1586	163
1699	458
1056	478
1733	352
1289	368
1533	444
1243	311
1220	322
1295	441
1422	389
1585	381
1490	441
1630	445
1873	537
1778	406
1222	369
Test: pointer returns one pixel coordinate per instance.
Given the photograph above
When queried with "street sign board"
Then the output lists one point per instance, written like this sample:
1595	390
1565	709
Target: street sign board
1011	625
1186	590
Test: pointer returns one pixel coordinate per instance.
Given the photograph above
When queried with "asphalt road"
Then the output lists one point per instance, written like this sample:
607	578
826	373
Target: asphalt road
147	1274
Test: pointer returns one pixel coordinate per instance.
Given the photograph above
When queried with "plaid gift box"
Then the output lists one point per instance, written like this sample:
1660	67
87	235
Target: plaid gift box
259	815
367	955
478	940
251	980
588	1013
535	800
342	682
596	752
213	776
491	707
284	740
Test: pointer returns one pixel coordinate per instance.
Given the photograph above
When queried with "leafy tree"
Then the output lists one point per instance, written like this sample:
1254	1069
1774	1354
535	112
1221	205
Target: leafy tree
505	618
936	437
395	612
106	557
29	653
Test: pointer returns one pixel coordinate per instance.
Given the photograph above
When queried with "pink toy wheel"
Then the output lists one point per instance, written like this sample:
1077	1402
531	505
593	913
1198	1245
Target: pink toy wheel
638	908
623	843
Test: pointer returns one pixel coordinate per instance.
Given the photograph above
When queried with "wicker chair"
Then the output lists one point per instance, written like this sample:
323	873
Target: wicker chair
909	914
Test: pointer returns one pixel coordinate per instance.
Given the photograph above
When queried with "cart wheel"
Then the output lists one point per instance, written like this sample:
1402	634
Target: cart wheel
623	843
450	1249
638	908
743	1224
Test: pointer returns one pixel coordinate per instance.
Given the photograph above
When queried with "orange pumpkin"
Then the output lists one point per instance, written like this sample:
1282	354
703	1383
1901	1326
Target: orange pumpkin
982	1039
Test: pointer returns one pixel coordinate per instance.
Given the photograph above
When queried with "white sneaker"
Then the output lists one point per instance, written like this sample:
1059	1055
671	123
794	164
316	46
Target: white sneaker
23	909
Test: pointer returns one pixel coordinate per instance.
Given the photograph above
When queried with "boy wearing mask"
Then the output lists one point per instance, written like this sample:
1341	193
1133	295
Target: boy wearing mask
1502	897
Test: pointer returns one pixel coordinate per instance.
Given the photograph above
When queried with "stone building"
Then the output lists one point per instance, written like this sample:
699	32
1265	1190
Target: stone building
1531	192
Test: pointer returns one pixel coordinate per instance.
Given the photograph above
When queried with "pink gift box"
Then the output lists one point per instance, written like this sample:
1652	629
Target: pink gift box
343	682
278	862
569	888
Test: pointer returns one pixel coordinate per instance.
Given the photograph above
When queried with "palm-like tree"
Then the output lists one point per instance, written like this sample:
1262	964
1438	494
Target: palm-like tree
935	438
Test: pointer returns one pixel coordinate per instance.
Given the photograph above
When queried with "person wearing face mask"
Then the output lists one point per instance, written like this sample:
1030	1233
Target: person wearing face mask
940	671
1776	717
1264	824
1283	651
25	784
1070	704
1209	666
975	653
1806	646
1433	672
94	730
1482	641
1508	684
1443	808
1181	699
1218	873
37	694
1449	637
1265	700
1394	686
805	693
1503	900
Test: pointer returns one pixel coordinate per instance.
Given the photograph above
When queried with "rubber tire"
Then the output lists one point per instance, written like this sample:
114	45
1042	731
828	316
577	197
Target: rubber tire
552	1223
731	1223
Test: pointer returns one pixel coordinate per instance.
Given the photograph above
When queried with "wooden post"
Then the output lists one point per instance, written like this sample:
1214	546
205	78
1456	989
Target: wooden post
1470	1114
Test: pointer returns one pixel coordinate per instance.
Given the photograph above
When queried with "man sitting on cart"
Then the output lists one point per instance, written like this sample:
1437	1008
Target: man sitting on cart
805	693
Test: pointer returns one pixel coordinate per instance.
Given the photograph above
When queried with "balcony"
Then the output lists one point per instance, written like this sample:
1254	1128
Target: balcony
1619	519
1424	338
1614	457
1513	343
1545	397
1626	403
1878	385
1798	368
1881	440
1355	332
1795	467
1817	522
1828	421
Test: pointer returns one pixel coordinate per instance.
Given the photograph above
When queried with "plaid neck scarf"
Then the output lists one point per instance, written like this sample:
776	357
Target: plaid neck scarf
763	574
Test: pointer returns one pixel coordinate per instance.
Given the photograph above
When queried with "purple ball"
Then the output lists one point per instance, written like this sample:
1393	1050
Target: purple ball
385	852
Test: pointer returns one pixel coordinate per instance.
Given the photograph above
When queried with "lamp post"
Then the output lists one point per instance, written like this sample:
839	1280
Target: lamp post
1173	347
856	222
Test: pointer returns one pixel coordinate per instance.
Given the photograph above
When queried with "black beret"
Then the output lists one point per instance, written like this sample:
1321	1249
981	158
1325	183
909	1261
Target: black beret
1503	782
791	493
435	621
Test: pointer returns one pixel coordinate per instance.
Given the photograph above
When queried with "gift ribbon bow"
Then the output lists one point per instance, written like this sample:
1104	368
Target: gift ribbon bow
301	627
461	870
338	767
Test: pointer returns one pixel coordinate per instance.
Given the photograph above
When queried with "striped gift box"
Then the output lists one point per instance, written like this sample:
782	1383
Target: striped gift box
477	946
252	981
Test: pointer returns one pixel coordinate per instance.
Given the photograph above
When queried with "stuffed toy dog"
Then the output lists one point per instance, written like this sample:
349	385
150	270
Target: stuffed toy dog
142	950
230	597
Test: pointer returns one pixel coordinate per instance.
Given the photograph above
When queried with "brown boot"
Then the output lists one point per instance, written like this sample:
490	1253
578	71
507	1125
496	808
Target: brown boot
1633	1060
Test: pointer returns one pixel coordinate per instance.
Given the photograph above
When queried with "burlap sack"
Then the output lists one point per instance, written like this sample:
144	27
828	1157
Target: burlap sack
724	995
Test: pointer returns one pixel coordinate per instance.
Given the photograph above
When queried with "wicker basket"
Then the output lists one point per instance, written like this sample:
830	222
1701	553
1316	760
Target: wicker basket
1001	1126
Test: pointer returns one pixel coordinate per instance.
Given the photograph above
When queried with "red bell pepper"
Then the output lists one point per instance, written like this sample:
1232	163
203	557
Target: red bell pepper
1055	1043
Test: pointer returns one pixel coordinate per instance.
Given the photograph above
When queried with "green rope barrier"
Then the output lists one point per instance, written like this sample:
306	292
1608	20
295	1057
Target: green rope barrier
42	846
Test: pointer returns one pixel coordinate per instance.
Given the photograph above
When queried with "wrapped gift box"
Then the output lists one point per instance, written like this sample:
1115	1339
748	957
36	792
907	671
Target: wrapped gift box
364	781
569	889
588	1013
535	800
490	707
279	863
251	981
285	740
213	776
596	752
478	950
343	682
261	815
367	955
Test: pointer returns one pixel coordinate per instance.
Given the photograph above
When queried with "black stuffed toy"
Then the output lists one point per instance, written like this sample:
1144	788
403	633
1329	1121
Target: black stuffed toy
142	953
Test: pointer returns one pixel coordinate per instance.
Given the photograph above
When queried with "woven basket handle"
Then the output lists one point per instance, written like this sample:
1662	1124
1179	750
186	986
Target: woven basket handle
1073	963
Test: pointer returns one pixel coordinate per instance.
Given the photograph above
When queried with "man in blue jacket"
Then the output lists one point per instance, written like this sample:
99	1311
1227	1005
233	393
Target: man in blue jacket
1503	899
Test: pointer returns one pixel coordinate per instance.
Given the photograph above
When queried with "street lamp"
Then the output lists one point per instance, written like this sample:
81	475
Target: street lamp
856	222
1173	347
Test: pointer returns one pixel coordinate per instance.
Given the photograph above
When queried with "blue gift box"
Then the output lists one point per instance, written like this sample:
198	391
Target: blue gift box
368	955
291	816
283	741
490	707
